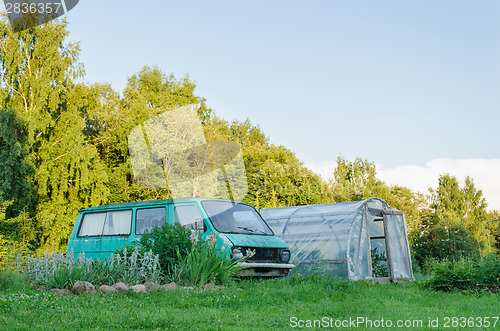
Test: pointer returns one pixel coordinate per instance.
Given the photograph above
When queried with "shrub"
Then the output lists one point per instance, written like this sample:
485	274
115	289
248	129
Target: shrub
454	275
9	251
463	274
450	242
139	266
58	271
38	269
429	264
167	242
489	272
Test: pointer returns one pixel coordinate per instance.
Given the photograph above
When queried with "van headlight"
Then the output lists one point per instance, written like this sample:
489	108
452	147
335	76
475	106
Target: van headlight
236	253
285	255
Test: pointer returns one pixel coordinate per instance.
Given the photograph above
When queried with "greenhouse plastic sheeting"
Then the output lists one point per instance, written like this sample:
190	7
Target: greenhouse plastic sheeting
340	238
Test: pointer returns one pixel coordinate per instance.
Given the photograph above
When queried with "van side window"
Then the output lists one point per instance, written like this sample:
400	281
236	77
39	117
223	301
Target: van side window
189	215
146	219
111	223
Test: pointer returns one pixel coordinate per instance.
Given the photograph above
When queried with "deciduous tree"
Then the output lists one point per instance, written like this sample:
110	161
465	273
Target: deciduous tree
38	69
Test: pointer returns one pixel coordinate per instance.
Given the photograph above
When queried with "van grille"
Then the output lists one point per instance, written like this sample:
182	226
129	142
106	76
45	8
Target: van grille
263	254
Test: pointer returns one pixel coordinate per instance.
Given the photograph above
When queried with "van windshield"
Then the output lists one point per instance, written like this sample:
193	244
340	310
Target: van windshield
233	217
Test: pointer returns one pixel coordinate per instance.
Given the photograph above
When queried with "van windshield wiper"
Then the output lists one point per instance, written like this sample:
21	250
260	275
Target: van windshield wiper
251	230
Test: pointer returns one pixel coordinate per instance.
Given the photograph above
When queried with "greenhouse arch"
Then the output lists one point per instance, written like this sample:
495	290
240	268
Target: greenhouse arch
360	240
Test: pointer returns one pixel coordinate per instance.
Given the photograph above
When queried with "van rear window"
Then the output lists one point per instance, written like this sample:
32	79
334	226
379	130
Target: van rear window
111	223
146	219
187	215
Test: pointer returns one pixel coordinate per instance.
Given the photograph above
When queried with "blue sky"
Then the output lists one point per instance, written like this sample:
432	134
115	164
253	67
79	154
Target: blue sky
401	83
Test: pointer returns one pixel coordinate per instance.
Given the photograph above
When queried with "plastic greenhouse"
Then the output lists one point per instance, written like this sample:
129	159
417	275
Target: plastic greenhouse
354	240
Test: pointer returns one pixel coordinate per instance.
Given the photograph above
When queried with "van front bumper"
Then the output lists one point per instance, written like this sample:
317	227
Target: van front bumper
264	269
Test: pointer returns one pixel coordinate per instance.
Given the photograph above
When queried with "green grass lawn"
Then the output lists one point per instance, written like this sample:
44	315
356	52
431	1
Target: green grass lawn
261	305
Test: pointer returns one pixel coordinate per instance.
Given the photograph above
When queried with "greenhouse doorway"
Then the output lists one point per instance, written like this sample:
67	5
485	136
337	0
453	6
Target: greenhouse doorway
390	256
378	248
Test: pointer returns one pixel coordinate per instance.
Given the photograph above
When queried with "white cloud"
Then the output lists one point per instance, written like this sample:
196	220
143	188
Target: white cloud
485	172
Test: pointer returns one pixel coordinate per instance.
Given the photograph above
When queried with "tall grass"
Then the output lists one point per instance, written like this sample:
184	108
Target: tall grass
12	281
205	264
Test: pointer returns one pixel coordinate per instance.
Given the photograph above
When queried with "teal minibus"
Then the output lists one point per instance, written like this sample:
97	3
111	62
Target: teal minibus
100	231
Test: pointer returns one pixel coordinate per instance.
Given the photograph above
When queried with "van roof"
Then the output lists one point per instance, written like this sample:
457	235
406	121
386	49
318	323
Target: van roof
146	203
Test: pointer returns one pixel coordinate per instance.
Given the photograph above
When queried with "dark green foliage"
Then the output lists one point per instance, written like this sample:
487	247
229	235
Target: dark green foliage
64	277
415	266
17	199
166	242
493	227
15	171
489	272
130	248
205	264
12	281
454	275
451	242
464	274
379	264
